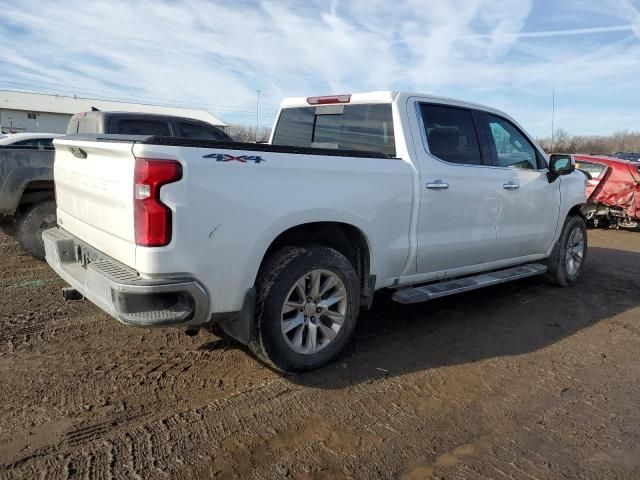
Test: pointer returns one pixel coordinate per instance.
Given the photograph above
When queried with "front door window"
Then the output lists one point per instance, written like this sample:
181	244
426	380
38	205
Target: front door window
513	150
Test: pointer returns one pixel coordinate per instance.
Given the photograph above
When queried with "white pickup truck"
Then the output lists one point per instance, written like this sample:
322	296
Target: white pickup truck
282	244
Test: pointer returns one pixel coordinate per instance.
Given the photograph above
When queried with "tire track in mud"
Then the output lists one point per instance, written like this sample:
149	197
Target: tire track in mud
123	380
271	415
262	415
166	406
37	330
126	435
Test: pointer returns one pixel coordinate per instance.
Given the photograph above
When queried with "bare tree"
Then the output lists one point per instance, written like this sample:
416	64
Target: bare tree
245	133
563	142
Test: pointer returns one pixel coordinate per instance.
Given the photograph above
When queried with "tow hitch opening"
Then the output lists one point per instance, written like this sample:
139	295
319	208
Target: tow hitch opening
70	294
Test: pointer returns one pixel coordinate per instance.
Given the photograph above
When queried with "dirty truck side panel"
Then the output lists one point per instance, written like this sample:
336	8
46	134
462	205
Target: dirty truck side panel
226	214
17	169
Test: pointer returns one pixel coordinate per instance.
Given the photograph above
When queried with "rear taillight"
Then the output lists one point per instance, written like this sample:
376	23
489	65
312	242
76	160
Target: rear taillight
152	218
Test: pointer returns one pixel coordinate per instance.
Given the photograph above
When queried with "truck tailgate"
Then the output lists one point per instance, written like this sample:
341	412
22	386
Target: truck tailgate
94	193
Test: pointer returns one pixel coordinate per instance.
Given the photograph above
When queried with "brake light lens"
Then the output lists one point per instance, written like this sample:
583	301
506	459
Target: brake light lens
329	99
152	218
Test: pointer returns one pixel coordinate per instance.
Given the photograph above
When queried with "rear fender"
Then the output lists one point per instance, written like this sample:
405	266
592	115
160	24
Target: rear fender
294	220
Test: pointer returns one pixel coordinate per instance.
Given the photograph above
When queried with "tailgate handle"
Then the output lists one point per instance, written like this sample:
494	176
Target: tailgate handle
78	152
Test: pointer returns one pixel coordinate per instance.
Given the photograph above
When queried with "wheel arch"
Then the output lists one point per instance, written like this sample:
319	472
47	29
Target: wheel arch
36	191
344	237
576	210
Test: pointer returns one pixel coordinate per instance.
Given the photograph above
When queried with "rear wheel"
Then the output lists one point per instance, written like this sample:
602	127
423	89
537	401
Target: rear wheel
307	307
565	266
38	218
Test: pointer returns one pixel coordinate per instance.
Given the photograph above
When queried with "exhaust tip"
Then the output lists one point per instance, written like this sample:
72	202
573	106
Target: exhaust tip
71	294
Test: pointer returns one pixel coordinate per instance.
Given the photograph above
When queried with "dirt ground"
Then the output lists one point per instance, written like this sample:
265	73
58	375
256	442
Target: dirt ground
517	381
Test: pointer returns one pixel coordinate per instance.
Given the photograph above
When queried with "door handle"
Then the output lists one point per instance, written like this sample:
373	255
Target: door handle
438	185
510	186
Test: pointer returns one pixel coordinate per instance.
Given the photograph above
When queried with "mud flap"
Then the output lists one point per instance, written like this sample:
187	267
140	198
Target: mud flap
240	325
551	262
366	296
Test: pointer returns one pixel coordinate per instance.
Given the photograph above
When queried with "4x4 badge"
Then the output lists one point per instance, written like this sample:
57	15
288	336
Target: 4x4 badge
225	157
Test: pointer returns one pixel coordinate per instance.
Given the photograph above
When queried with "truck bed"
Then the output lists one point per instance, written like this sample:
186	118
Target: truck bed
225	213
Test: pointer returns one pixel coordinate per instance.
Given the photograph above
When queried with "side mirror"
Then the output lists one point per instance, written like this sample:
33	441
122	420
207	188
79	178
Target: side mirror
560	165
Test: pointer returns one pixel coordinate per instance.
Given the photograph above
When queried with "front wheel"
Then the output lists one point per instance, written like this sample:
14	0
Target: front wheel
307	306
565	266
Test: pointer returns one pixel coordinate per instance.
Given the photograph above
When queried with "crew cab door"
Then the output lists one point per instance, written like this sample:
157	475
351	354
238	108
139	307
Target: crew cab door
459	197
529	203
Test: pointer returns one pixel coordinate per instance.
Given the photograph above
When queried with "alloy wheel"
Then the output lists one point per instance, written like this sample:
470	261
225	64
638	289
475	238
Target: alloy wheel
575	251
314	311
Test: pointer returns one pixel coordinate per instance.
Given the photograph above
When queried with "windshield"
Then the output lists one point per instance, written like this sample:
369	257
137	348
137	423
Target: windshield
367	128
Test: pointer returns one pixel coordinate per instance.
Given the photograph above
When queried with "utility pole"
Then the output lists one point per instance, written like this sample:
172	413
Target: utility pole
553	118
257	113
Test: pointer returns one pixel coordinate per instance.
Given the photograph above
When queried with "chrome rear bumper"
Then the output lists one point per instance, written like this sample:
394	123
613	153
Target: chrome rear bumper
120	291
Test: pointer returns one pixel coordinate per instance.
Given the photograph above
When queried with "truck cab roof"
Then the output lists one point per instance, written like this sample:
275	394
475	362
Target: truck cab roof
377	96
384	96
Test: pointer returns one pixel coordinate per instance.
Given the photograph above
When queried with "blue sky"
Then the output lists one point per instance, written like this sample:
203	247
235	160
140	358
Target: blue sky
215	54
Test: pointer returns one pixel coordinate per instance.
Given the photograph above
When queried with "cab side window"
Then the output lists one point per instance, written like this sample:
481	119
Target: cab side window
45	144
25	144
200	132
451	134
33	144
512	148
143	127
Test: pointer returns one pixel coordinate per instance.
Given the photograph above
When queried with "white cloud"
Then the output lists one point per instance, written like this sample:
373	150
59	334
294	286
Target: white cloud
217	53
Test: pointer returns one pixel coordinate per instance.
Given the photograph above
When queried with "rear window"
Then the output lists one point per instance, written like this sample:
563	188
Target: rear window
632	156
143	127
594	169
367	128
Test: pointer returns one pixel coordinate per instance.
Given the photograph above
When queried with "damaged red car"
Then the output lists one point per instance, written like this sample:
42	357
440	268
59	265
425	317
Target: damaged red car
613	190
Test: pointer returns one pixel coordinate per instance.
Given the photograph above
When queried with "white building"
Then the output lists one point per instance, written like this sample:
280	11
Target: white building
36	112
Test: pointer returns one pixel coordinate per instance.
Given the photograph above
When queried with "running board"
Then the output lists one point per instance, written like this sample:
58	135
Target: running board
459	285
